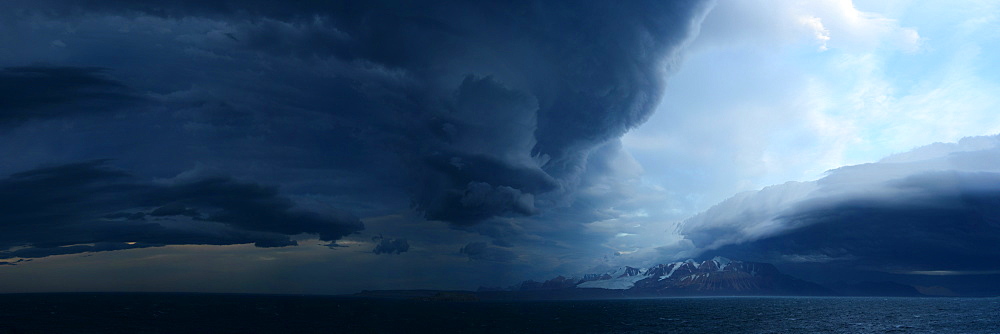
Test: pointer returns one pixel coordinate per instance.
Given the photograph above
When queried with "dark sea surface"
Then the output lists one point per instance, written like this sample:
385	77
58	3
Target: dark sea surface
210	313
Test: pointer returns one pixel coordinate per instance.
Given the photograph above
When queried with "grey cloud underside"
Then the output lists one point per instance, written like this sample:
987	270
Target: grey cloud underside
391	246
87	207
933	209
938	230
14	263
476	110
43	92
481	251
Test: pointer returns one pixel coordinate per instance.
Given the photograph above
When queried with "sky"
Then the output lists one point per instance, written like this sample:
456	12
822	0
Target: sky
327	148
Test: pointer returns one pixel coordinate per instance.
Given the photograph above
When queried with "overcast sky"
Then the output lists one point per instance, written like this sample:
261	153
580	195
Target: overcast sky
300	147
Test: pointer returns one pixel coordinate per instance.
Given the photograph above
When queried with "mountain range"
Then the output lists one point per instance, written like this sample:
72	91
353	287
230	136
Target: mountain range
718	276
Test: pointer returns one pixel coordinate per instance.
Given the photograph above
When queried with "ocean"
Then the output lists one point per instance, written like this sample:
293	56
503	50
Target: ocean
225	313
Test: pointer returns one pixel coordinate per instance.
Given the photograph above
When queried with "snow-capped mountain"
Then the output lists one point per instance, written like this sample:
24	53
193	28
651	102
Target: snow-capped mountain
718	276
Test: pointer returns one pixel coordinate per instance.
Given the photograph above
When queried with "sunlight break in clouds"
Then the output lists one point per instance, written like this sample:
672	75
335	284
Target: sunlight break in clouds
480	141
772	92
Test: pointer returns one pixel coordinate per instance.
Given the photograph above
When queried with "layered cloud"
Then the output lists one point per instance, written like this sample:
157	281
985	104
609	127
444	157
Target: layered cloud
475	110
89	207
41	91
497	118
931	209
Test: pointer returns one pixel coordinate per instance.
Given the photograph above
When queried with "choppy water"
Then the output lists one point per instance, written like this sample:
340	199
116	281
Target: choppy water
173	313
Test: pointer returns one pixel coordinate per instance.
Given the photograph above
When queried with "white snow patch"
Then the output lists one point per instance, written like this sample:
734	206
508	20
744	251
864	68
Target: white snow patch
721	262
623	270
621	283
673	268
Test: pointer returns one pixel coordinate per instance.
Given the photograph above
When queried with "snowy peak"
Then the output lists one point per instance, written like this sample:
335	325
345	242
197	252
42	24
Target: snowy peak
626	277
630	271
665	271
718	276
717	263
722	276
721	263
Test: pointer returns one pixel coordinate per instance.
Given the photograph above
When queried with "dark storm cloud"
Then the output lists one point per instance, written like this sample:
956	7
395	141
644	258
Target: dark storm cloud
479	114
87	207
952	222
484	107
43	91
246	206
391	246
481	251
916	212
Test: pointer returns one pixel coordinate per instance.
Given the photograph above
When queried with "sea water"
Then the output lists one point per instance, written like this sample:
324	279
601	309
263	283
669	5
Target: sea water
211	313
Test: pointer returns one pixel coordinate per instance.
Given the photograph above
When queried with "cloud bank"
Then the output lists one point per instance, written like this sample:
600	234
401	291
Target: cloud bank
472	113
90	207
390	245
931	209
42	91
